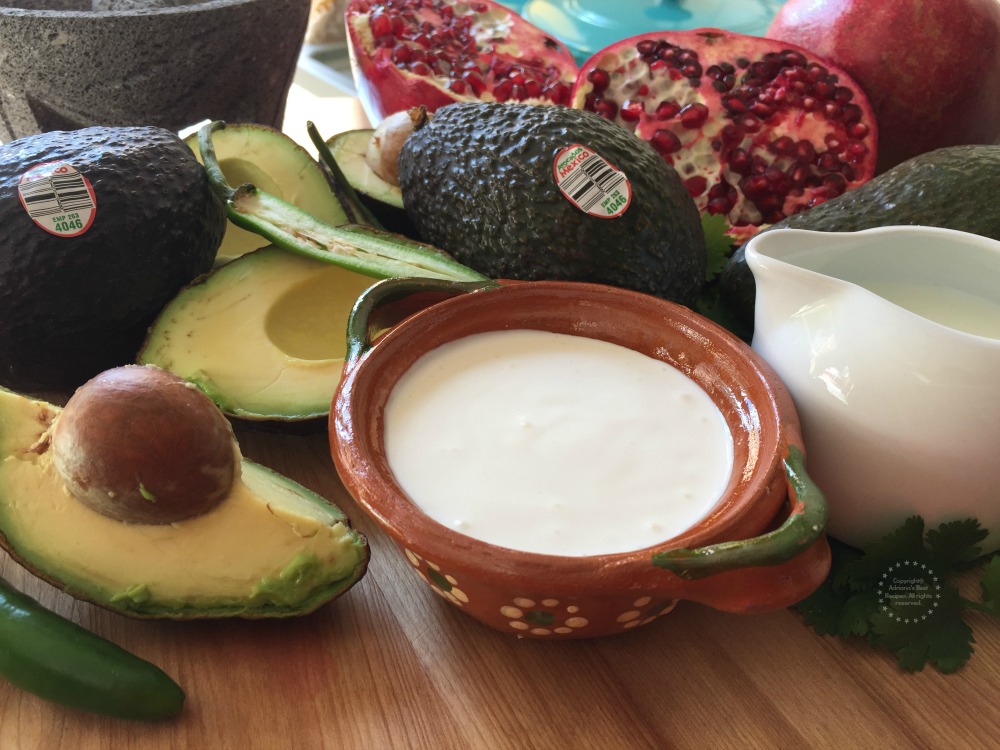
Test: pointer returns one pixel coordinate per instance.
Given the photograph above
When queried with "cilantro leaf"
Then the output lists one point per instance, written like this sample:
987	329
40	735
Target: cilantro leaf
897	595
904	544
718	245
956	544
941	637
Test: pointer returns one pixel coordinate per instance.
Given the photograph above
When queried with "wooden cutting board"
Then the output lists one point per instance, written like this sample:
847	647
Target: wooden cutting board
391	665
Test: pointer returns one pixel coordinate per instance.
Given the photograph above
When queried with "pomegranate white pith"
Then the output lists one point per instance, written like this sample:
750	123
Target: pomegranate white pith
757	129
408	53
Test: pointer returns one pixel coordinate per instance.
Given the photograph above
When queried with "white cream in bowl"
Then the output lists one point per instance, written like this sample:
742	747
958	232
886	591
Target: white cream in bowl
556	444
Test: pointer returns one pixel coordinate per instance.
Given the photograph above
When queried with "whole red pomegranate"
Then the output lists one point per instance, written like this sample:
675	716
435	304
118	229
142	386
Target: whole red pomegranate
757	129
931	68
407	53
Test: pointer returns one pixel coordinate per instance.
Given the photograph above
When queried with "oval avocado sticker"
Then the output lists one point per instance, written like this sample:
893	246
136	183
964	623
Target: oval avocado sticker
590	183
58	198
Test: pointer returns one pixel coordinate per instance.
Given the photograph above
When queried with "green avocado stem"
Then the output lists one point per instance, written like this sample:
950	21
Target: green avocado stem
362	249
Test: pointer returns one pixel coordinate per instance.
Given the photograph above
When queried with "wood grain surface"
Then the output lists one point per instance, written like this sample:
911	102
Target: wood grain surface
391	665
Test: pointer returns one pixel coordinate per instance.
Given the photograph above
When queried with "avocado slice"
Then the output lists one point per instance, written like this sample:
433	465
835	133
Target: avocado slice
270	159
263	336
271	548
385	200
953	188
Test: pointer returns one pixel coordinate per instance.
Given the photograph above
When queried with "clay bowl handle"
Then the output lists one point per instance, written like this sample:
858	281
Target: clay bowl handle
389	301
771	571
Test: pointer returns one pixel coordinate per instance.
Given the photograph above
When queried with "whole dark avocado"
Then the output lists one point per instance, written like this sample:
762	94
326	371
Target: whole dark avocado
954	187
101	228
491	184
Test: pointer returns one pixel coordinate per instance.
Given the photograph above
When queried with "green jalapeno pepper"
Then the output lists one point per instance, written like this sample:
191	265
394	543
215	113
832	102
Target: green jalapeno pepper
56	659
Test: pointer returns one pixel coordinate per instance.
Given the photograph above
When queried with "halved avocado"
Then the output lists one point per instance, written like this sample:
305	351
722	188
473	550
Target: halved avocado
264	336
271	548
271	160
383	199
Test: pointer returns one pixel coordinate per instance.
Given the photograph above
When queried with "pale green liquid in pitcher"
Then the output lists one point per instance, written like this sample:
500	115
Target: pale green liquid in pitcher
951	307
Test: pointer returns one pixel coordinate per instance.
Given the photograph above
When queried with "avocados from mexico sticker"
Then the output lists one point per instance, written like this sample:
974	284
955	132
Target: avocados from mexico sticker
590	183
58	198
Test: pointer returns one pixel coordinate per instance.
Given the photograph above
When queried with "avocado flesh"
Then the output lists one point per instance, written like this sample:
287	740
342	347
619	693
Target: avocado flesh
953	188
271	548
263	336
270	159
479	181
382	198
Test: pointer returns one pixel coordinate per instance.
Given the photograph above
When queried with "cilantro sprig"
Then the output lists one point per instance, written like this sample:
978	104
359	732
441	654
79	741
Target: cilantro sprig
900	595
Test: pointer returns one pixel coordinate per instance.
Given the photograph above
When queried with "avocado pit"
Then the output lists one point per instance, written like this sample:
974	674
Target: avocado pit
141	445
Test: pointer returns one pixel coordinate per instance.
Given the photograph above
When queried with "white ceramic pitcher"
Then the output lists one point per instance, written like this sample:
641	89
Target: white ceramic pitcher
899	401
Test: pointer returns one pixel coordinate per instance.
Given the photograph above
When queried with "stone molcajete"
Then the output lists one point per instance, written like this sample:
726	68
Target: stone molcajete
67	64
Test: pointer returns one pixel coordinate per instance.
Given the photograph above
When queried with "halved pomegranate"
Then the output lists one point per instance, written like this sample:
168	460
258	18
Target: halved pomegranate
757	129
407	53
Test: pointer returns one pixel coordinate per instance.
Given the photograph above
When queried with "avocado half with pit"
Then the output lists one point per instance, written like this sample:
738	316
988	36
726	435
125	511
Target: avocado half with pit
271	160
263	336
269	548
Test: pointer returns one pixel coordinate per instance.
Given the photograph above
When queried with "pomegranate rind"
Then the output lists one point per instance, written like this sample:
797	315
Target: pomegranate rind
783	153
934	80
539	68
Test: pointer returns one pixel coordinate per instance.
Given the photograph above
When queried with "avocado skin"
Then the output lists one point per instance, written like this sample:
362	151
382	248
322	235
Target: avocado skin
478	182
953	187
74	306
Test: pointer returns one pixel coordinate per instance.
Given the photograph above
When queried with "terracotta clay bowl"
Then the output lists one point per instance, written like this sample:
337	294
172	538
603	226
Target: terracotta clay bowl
763	547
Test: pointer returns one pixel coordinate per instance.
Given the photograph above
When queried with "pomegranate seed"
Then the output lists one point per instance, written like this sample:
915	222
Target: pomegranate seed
401	54
420	69
423	40
475	83
734	104
805	152
459	87
606	108
559	93
696	185
717	206
828	162
632	111
380	24
833	144
739	161
503	91
782	146
646	47
731	135
835	183
793	58
858	130
599	79
693	115
398	26
850	113
533	89
478	7
665	142
755	186
667	109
